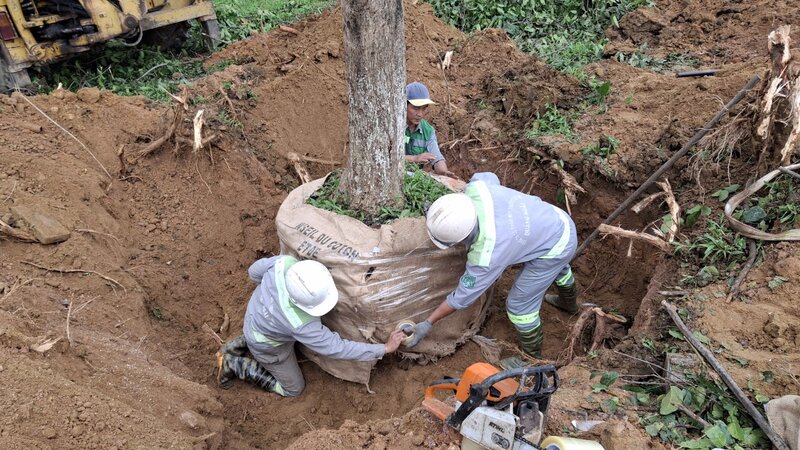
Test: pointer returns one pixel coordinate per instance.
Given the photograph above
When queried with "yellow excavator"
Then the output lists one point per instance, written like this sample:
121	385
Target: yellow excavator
41	32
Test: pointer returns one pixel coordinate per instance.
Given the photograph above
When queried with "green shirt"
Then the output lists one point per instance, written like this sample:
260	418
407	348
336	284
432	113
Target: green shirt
423	140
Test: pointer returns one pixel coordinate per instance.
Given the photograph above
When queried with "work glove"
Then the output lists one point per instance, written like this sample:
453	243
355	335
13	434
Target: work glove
420	331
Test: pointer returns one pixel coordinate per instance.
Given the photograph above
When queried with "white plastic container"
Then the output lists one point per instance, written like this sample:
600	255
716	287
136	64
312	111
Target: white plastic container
568	443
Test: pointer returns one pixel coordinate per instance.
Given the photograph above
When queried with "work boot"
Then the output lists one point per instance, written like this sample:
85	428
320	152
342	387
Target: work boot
566	300
236	346
531	341
231	367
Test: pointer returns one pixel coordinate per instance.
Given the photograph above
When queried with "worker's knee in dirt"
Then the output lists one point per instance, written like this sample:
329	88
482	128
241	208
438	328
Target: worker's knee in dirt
295	390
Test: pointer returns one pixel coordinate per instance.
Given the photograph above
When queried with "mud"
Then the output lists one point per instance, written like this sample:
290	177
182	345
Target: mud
159	246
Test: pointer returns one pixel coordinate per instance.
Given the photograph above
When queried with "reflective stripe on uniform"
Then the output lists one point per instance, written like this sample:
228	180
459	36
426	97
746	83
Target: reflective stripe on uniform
480	252
563	241
565	280
523	319
294	315
261	337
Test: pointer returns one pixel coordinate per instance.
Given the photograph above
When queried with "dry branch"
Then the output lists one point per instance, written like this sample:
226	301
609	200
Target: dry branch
621	232
603	323
568	354
11	232
155	145
301	170
70	135
207	328
747	230
752	251
791	141
639	207
570	185
674	210
14	288
51	269
198	130
776	440
670	162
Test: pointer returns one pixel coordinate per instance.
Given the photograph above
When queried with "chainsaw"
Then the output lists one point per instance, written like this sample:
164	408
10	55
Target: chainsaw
497	410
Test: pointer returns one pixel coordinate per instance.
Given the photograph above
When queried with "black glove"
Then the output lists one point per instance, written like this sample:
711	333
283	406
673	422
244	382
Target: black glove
420	331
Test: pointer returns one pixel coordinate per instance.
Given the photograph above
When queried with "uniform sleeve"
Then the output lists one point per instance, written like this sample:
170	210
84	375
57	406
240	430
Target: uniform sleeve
260	267
433	148
475	281
486	177
322	340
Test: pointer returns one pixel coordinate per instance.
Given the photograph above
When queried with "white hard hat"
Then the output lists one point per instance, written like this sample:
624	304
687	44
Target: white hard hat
311	287
451	219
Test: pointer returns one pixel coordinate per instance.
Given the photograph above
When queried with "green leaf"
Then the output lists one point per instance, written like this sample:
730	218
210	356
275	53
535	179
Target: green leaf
736	430
717	434
753	215
609	378
724	193
701	337
761	398
768	376
609	406
675	333
653	428
671	400
702	443
776	282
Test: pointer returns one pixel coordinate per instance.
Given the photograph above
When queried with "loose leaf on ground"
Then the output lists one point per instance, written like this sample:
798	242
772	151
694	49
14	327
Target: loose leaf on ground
724	193
671	400
718	434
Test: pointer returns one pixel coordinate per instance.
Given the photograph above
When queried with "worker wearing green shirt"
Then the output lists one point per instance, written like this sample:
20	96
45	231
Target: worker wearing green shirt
421	145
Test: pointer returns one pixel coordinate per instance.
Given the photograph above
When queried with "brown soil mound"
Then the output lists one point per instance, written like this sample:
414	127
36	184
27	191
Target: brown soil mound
159	247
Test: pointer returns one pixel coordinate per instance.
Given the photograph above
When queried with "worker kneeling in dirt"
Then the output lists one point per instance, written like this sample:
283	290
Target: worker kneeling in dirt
286	307
502	227
422	147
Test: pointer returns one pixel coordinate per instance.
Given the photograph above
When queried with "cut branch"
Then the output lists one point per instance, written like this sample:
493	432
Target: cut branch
9	231
621	232
776	440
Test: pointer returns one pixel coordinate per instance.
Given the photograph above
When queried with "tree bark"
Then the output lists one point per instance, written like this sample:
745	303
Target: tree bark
374	52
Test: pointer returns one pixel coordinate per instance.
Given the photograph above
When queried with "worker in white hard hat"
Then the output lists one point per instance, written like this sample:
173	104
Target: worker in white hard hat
502	227
286	308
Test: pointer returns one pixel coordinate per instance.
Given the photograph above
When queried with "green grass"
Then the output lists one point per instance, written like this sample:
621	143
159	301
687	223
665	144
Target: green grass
642	59
606	146
419	191
149	71
553	121
559	32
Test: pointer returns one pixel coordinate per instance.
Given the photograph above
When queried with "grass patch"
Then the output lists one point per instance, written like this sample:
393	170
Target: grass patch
643	60
151	72
552	121
420	190
606	146
561	33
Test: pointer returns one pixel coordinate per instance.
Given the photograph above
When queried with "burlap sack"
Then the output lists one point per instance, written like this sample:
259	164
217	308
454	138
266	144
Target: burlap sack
384	275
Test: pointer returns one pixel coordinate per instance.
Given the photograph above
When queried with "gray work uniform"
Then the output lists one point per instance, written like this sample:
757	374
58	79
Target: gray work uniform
515	228
273	323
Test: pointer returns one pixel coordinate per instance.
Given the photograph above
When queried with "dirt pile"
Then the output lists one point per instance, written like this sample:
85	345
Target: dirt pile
159	247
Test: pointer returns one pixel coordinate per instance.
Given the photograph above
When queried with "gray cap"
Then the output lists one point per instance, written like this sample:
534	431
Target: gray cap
418	95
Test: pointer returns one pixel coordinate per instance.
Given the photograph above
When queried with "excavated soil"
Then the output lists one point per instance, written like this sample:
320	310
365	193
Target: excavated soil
102	337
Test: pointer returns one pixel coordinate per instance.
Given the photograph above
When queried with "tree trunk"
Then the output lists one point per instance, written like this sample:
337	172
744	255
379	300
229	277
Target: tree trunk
374	52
